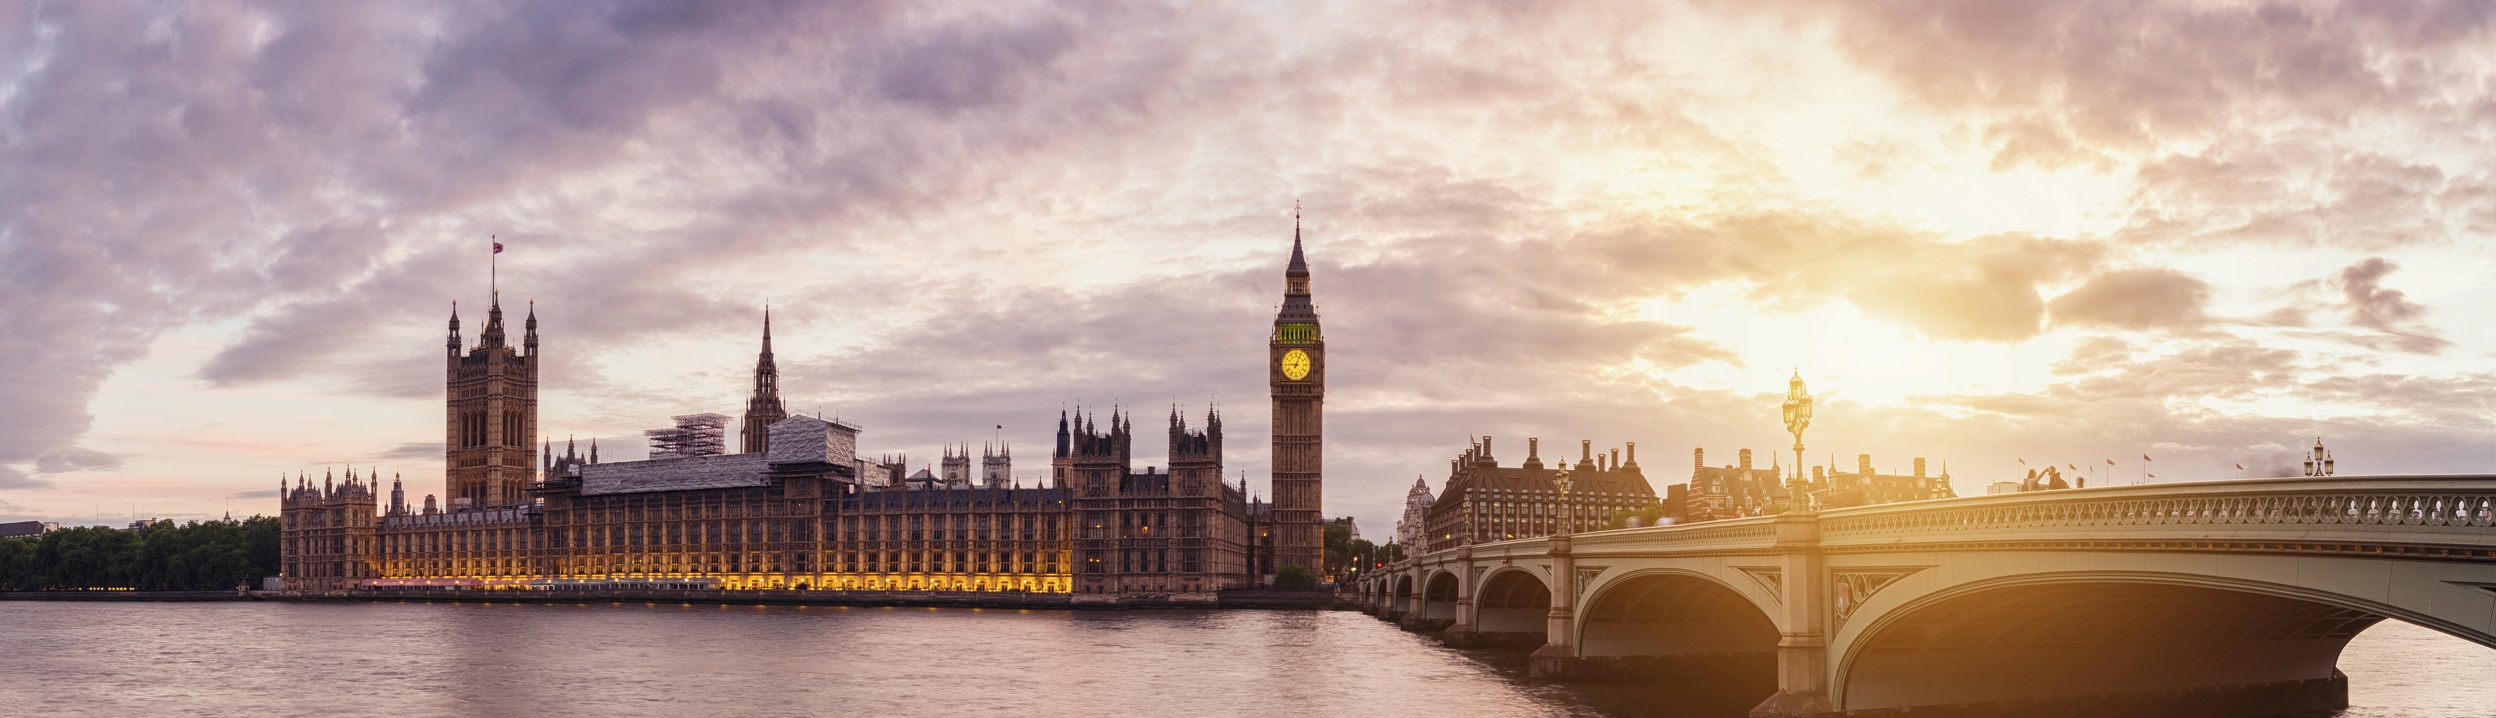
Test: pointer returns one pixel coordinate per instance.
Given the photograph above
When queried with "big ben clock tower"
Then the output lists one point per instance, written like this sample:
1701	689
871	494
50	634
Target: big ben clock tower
1296	370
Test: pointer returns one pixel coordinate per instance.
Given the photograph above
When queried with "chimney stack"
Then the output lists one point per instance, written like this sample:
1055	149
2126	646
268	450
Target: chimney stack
1698	461
1486	452
1746	458
1863	464
1616	458
1919	467
1633	455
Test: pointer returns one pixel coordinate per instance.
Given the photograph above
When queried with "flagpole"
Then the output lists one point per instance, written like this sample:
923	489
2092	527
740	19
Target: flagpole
493	267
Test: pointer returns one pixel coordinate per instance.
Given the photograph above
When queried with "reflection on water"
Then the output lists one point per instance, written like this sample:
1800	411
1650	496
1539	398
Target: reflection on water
288	659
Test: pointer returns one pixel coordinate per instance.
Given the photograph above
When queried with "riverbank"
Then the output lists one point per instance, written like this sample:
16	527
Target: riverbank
1276	600
123	596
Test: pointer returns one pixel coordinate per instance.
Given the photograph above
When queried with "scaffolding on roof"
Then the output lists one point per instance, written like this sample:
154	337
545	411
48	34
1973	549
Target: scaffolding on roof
703	434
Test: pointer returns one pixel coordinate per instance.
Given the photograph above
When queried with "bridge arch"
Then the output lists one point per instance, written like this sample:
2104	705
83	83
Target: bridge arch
1687	632
2110	637
1438	600
1512	607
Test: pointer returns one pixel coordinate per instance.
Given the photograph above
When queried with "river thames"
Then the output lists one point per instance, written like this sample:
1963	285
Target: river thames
449	659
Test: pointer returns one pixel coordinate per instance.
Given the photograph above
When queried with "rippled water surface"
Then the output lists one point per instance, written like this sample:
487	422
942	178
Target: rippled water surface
297	659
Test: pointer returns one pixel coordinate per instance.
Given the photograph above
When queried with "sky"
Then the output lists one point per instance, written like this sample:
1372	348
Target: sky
1985	233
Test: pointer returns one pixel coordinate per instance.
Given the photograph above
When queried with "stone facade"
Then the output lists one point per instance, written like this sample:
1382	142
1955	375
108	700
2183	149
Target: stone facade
490	415
1486	502
326	533
1152	532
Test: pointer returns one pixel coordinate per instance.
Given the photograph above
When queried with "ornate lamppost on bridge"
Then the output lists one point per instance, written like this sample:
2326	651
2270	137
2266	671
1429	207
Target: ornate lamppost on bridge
1797	418
2320	463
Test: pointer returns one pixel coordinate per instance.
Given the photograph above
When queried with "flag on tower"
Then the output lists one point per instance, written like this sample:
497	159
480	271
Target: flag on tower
498	248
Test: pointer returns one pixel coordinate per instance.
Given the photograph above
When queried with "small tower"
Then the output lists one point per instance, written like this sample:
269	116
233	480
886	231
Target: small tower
957	465
996	465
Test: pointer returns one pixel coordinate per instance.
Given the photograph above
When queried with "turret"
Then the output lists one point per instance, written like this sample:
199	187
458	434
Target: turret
1062	435
528	339
493	335
453	343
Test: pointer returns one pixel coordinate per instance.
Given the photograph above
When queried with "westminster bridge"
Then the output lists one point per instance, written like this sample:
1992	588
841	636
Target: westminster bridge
2237	594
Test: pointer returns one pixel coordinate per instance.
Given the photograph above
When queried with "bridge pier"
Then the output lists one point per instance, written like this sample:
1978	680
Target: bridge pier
1802	643
1462	632
1558	657
1411	610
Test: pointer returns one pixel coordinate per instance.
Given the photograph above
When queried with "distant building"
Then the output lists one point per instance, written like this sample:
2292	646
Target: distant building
1740	489
1734	490
1486	502
27	529
2003	487
1410	530
1866	487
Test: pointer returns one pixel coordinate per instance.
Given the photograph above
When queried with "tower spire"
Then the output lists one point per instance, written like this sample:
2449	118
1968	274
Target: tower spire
764	407
528	337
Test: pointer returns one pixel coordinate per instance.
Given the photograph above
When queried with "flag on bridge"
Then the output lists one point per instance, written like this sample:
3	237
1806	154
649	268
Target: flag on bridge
2022	462
2110	462
2145	457
2240	467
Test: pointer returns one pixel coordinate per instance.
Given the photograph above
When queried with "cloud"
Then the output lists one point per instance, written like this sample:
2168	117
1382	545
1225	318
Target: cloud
75	459
11	478
2056	83
1983	289
2147	298
2374	306
418	450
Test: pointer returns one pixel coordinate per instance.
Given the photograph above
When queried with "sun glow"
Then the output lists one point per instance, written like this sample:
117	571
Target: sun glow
1846	355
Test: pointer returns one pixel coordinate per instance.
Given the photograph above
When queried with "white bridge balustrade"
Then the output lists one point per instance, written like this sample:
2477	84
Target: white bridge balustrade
2216	597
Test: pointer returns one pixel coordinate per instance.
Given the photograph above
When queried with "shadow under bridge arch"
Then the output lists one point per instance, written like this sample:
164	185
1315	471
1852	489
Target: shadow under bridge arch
1513	609
2105	646
1680	635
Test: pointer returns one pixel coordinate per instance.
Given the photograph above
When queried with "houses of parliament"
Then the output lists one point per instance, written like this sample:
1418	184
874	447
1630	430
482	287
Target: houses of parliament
797	507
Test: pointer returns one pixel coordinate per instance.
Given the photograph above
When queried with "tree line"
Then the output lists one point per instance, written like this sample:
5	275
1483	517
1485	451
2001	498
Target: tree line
198	556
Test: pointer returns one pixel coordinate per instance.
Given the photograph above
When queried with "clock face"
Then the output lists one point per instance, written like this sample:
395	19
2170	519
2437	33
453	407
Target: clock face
1295	365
